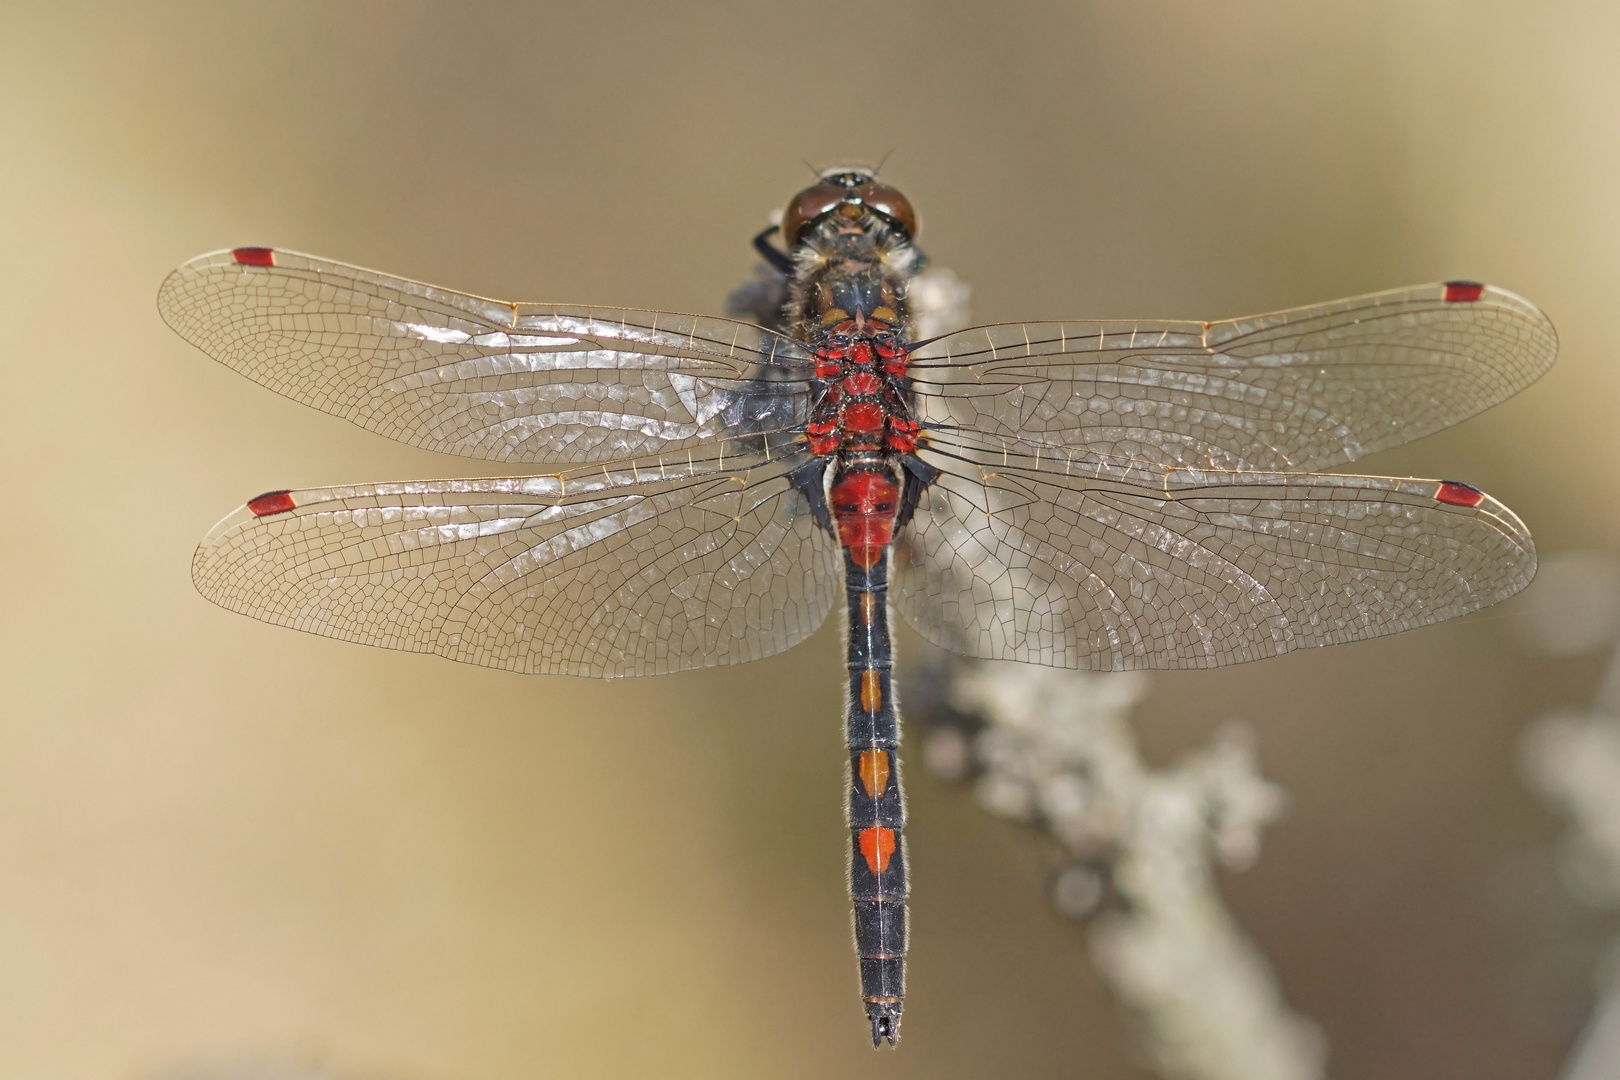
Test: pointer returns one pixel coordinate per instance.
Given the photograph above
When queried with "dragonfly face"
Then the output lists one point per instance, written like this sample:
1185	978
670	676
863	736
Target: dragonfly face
691	491
847	191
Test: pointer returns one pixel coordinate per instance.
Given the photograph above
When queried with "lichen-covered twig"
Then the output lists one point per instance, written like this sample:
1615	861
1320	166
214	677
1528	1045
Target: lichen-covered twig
1055	748
1573	758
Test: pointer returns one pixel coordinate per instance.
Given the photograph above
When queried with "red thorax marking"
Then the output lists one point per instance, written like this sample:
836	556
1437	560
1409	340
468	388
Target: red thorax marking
822	435
271	502
1462	291
254	256
877	846
1459	494
862	384
902	434
863	416
848	417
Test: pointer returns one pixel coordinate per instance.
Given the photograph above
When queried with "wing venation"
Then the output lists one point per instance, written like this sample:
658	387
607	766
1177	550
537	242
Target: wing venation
1006	560
479	378
640	569
1292	391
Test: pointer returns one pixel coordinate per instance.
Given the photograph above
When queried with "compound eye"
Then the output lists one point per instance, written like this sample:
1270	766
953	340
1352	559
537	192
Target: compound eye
891	204
807	206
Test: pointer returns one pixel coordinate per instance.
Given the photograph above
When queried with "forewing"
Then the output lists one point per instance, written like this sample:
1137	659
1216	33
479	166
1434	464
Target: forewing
637	570
1006	560
481	378
1298	390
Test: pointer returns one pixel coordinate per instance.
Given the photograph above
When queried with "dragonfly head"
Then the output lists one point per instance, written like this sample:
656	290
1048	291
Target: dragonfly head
848	191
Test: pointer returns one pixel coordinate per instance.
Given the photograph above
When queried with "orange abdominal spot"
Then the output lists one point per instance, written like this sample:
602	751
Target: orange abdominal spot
874	772
877	847
868	608
871	692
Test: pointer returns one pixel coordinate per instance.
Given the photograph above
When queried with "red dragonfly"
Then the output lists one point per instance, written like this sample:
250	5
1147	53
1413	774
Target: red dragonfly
698	491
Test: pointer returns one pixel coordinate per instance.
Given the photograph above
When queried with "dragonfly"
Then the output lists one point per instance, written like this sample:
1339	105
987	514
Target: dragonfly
696	491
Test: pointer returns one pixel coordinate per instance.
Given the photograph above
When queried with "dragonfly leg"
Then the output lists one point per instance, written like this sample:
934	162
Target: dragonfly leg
780	260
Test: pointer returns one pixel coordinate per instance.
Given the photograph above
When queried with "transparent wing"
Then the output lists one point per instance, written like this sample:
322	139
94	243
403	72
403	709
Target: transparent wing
1007	559
483	378
642	568
1296	390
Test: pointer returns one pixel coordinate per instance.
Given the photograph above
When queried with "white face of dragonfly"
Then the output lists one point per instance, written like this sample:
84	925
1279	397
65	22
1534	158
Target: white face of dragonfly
697	491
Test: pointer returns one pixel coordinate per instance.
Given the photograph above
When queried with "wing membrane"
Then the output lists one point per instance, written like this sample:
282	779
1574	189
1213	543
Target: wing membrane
1007	560
483	378
1296	390
644	568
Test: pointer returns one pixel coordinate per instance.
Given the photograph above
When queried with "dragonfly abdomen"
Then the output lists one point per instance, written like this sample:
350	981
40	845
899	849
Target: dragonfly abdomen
876	804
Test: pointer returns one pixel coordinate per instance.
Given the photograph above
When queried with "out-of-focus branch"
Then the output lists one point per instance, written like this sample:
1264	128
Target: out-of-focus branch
1055	748
1573	758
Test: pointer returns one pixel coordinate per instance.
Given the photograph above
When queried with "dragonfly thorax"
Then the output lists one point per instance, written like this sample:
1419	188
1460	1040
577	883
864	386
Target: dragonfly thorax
864	404
853	263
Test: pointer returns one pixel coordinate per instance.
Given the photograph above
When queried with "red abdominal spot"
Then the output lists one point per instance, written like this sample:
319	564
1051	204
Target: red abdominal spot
271	502
866	539
864	493
1457	493
863	506
877	847
254	256
1462	291
861	354
896	366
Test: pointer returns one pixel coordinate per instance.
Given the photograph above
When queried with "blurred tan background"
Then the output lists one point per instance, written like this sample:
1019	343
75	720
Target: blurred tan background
221	841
